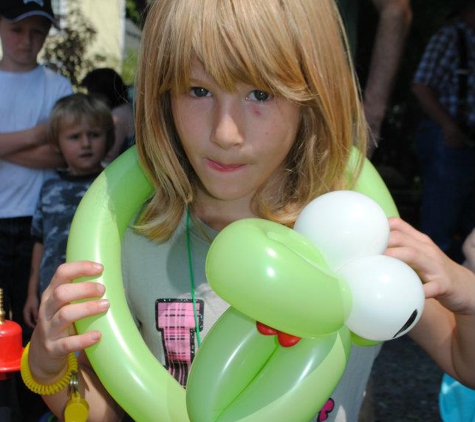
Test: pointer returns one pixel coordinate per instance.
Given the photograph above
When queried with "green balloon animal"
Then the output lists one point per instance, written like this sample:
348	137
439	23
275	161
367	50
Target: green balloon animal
239	374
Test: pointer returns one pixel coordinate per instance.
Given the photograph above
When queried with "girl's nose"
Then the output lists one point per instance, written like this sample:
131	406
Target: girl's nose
227	131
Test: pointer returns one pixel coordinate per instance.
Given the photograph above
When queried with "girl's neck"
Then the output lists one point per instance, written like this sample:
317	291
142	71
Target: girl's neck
218	214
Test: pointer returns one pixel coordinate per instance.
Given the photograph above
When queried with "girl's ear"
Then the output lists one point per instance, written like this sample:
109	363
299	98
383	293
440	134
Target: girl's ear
55	148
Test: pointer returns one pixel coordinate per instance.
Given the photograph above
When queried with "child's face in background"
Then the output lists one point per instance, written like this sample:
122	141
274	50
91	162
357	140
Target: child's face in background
234	140
21	42
83	145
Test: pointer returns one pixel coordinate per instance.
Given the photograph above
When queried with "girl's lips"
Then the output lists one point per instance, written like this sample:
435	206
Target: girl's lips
224	167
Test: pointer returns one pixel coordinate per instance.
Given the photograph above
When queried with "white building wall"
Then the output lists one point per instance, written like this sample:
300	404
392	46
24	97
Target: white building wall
108	18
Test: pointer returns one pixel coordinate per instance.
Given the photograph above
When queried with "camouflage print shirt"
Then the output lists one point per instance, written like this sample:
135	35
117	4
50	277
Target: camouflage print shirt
59	198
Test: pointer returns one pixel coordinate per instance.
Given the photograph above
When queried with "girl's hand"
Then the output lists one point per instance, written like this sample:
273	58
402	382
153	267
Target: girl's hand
445	280
53	337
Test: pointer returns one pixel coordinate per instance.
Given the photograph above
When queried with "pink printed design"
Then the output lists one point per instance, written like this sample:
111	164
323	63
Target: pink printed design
326	410
176	321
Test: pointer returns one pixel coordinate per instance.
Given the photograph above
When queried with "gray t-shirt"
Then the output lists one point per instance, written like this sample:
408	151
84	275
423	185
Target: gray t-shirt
158	289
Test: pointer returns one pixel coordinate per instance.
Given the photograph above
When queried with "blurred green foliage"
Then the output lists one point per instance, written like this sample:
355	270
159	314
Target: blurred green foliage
67	50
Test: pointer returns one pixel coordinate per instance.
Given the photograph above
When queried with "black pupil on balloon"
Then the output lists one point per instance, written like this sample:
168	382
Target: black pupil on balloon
408	323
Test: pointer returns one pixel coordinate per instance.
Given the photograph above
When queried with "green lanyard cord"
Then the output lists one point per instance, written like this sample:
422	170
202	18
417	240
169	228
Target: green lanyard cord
192	277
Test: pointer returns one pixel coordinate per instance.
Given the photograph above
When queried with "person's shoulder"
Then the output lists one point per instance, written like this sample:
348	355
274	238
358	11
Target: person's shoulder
55	78
52	179
465	27
123	110
50	183
51	73
124	115
449	29
443	37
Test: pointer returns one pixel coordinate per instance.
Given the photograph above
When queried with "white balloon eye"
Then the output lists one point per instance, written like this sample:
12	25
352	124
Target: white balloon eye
344	225
387	296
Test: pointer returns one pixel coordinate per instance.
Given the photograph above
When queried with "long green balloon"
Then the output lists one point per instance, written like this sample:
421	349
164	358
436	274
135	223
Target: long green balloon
369	182
122	360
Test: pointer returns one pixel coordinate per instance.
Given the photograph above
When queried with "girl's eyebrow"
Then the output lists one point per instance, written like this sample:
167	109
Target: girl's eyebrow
200	78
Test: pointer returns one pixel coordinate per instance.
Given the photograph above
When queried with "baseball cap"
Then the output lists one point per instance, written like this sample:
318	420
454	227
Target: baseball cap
16	10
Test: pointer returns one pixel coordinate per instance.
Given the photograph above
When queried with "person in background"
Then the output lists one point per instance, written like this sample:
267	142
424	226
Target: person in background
82	130
28	93
393	26
107	83
444	86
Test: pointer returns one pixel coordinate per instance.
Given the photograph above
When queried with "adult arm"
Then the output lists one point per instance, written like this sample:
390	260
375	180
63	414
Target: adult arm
447	326
120	131
11	142
395	18
30	310
39	157
429	102
123	122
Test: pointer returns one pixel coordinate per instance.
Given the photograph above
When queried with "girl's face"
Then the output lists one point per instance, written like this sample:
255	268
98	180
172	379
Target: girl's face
21	42
234	140
83	145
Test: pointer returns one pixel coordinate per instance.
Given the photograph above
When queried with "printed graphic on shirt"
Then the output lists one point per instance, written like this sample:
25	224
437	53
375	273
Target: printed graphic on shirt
326	410
176	322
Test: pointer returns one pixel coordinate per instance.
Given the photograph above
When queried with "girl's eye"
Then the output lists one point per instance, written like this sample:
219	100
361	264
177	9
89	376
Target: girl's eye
199	92
258	95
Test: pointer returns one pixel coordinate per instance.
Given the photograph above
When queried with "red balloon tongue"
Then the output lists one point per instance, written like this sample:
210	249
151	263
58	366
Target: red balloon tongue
285	340
265	329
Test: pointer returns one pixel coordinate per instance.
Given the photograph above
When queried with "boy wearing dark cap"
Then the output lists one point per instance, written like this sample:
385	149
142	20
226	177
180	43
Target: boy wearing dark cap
28	92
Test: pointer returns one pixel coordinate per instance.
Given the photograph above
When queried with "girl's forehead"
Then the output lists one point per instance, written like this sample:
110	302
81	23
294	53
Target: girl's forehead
197	71
227	75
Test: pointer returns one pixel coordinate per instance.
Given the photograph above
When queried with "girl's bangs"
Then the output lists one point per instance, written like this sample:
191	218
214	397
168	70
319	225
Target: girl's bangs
240	47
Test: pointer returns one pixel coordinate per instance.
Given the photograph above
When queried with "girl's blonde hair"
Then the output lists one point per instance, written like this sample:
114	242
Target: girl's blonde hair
76	107
295	49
